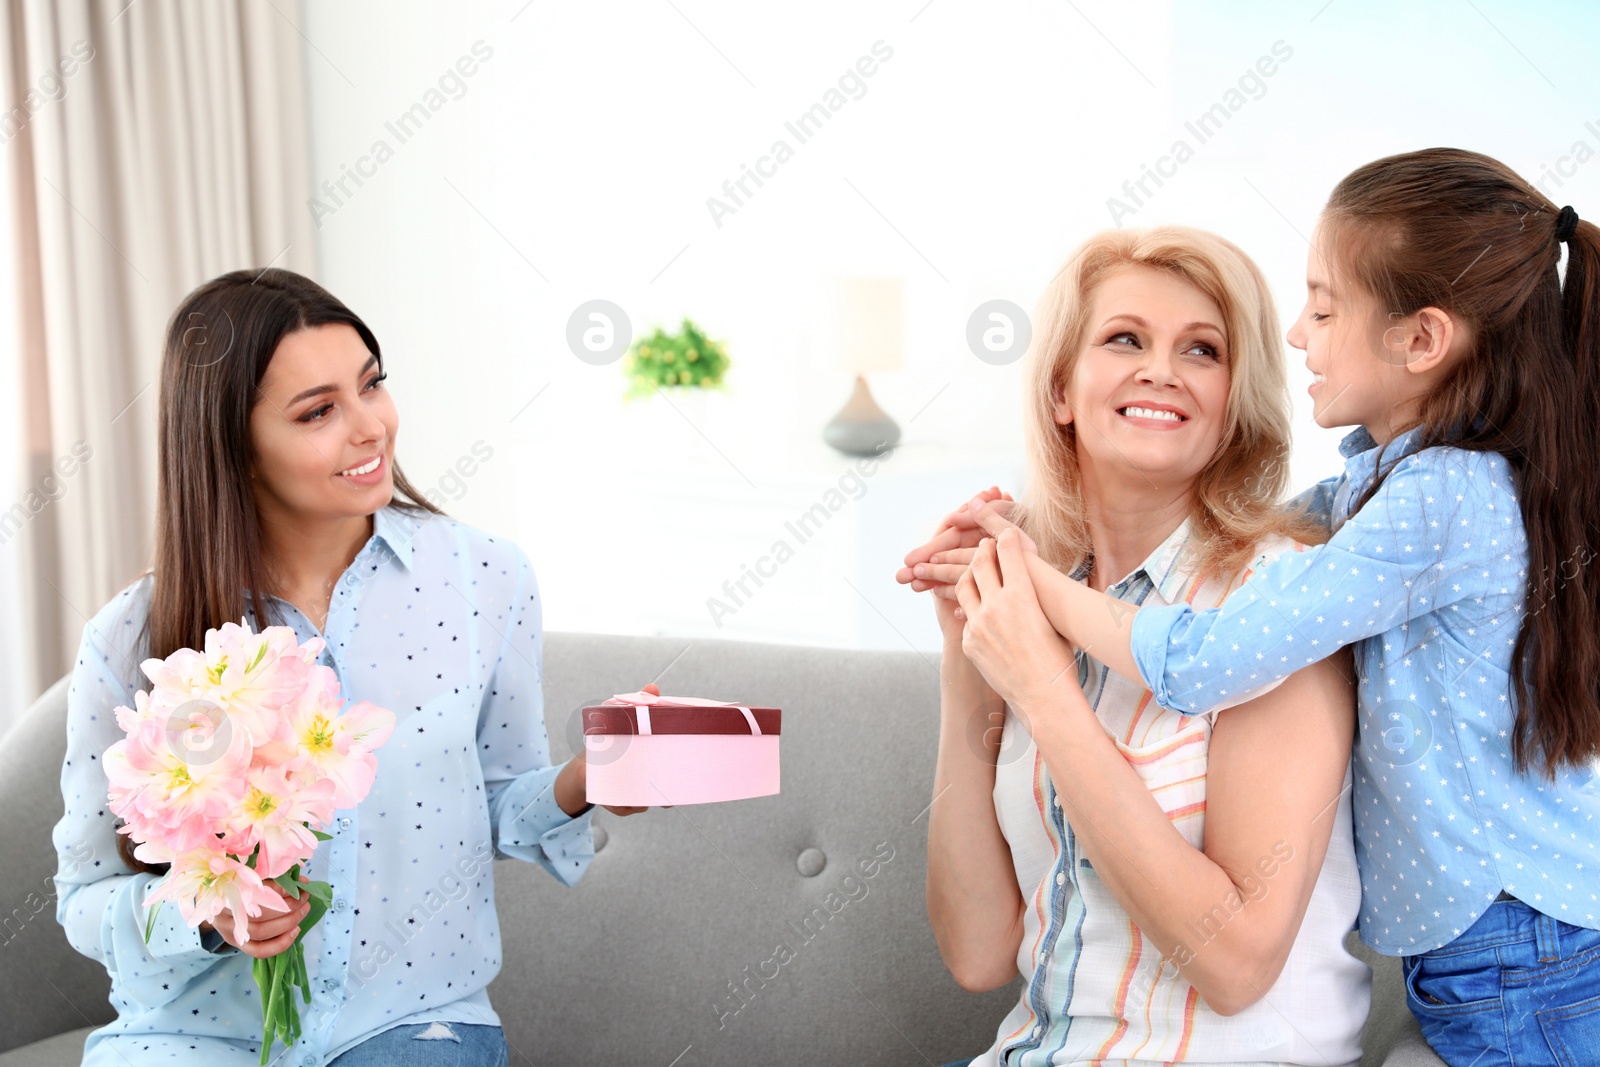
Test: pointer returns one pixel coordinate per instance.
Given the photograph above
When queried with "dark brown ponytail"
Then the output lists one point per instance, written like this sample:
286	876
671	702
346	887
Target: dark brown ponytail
1463	232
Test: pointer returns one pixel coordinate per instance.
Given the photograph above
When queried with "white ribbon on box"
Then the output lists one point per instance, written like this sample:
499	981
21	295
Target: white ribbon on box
641	702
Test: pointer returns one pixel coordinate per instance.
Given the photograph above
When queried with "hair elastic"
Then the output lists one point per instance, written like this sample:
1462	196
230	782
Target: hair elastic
1566	223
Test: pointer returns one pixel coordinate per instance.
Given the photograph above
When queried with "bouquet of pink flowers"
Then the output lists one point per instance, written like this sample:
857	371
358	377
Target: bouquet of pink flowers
234	764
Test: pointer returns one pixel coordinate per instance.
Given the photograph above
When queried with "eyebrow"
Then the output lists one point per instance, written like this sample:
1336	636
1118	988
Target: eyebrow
1183	329
318	390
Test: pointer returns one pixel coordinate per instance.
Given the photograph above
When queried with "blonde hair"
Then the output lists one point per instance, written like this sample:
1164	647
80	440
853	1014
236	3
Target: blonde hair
1237	495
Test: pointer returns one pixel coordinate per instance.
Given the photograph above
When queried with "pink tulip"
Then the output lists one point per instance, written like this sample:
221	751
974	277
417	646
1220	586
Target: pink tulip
144	707
250	676
203	881
274	813
232	761
339	744
157	791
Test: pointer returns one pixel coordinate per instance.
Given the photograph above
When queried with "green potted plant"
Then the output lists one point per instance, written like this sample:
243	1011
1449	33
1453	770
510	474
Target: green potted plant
686	359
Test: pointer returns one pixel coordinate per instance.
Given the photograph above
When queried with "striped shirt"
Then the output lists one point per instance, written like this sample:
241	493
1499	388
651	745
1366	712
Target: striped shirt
1097	990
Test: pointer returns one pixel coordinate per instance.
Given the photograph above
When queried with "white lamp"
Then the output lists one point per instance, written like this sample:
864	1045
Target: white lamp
863	320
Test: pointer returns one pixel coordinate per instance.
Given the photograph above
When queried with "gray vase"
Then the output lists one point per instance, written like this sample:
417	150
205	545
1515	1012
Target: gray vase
861	428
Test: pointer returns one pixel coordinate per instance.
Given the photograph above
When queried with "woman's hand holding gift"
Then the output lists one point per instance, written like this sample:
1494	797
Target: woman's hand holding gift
573	782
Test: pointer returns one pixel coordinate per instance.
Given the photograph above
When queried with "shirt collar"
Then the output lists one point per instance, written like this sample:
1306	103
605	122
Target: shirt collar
1355	442
396	526
1360	451
1160	566
1163	567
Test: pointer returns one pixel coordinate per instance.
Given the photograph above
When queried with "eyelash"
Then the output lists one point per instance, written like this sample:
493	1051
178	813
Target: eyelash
316	416
1198	344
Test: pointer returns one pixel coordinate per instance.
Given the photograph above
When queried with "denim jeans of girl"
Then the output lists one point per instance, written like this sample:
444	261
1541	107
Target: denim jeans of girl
1517	989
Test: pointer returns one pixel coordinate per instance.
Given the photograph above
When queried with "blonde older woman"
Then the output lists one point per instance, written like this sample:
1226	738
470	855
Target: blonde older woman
1172	888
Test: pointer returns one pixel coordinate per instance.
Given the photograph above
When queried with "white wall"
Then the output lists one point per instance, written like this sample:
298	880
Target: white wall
578	162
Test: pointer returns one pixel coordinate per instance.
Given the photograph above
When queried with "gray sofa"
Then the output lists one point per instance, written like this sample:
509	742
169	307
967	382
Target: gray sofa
683	907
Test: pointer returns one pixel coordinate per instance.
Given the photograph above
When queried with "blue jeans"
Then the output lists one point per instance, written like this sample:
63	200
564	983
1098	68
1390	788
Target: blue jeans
958	1063
449	1045
1517	989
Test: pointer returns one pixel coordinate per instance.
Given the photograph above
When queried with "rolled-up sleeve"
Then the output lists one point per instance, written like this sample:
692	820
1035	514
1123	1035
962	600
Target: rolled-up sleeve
525	820
1408	552
99	902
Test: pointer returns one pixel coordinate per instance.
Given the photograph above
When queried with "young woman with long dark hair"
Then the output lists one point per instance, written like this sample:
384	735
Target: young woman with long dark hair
280	503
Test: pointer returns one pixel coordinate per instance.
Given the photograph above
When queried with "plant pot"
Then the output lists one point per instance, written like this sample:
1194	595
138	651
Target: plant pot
674	412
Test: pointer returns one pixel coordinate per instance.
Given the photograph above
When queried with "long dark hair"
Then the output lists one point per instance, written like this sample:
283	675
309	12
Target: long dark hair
208	547
1463	232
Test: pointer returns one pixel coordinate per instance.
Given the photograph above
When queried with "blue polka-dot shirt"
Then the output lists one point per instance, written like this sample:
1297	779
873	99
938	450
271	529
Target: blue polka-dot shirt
1427	582
439	623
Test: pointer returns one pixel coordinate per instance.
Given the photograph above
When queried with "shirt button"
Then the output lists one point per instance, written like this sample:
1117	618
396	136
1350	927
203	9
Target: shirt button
340	904
1061	878
345	822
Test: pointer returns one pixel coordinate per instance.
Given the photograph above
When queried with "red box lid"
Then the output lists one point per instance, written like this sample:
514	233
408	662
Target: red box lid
678	719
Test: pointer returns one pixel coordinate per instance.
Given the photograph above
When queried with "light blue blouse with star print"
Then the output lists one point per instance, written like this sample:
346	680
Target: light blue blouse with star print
441	624
1427	582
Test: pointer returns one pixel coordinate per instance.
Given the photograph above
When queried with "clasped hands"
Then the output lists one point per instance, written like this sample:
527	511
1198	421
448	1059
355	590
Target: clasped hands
977	567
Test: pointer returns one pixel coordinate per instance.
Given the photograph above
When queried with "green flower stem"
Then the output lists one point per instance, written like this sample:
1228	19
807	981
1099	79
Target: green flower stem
280	973
258	971
270	1009
278	977
266	980
291	1010
286	1001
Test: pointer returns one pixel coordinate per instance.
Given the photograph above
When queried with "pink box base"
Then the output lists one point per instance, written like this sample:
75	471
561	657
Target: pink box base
652	770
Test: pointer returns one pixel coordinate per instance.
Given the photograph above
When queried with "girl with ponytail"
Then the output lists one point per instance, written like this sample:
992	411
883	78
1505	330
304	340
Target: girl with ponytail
1459	568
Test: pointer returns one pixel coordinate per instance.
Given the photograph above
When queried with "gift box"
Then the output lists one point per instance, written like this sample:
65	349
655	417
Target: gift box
649	751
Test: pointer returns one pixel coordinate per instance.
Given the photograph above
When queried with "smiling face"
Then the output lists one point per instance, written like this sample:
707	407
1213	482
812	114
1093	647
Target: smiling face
1358	362
1149	389
322	413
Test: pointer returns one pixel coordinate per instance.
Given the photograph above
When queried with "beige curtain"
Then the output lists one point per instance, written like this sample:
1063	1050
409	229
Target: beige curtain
153	145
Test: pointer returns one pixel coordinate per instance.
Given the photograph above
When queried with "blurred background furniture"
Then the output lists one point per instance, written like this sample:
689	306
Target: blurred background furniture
865	338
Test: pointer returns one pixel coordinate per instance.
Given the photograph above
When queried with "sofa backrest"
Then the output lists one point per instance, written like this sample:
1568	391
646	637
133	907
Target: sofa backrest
748	932
47	987
736	933
736	928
